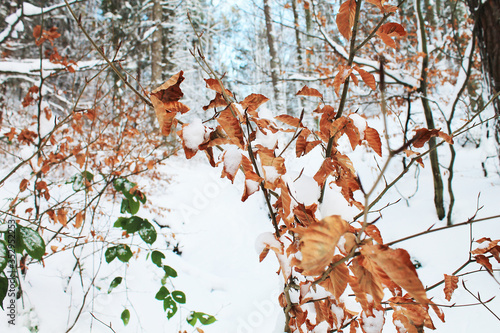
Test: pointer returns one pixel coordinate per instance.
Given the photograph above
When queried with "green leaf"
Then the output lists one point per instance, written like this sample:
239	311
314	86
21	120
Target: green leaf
79	180
147	232
124	206
125	316
156	258
179	296
169	306
129	224
4	283
110	254
123	253
4	255
204	318
169	271
31	242
162	293
115	283
130	205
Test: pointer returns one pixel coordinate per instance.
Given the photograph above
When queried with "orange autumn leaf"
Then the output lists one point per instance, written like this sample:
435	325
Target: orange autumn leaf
61	216
166	103
373	139
422	135
289	120
367	78
215	85
417	314
345	18
231	164
252	102
389	30
483	249
217	102
23	185
317	244
306	91
232	127
80	216
374	233
450	284
367	281
398	267
485	262
324	171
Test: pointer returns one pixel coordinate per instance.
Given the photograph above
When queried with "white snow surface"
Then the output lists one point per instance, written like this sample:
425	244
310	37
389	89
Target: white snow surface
194	134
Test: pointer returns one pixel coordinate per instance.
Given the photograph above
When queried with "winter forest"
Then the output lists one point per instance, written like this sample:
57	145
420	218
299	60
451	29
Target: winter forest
250	166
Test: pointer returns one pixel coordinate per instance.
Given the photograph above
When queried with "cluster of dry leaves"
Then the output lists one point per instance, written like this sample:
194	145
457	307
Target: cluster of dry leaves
326	253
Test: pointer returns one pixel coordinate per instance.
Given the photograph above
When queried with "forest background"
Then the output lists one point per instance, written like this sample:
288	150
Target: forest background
367	138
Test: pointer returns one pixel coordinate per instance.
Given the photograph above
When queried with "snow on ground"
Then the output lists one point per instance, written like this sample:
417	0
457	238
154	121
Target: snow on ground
219	269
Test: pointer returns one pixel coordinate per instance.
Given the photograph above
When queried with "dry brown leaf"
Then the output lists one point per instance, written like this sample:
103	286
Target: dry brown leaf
232	127
367	78
373	139
342	75
450	284
398	266
317	244
61	216
485	262
374	233
389	30
217	102
80	216
336	282
289	120
417	314
345	18
252	102
367	281
215	85
23	185
306	91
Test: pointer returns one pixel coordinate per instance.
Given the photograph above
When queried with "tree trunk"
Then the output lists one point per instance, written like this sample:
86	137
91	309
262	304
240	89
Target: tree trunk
156	46
487	29
436	173
274	56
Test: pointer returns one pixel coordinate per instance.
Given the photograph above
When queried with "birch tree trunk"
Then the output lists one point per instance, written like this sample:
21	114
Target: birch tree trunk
274	57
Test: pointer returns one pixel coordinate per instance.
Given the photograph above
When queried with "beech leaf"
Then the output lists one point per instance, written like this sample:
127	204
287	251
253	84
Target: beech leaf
450	284
306	91
345	18
318	242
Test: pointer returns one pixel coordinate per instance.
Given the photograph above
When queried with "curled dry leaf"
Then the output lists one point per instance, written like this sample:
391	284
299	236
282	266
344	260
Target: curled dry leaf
450	284
389	30
398	267
306	91
374	233
215	85
289	120
23	185
166	103
422	135
252	102
345	18
318	242
232	127
416	313
485	262
217	102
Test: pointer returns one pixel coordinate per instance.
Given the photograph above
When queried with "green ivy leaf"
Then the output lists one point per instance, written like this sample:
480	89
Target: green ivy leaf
31	241
169	271
4	255
123	253
125	316
156	258
162	293
4	283
110	254
115	283
169	306
79	180
179	296
147	232
204	318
